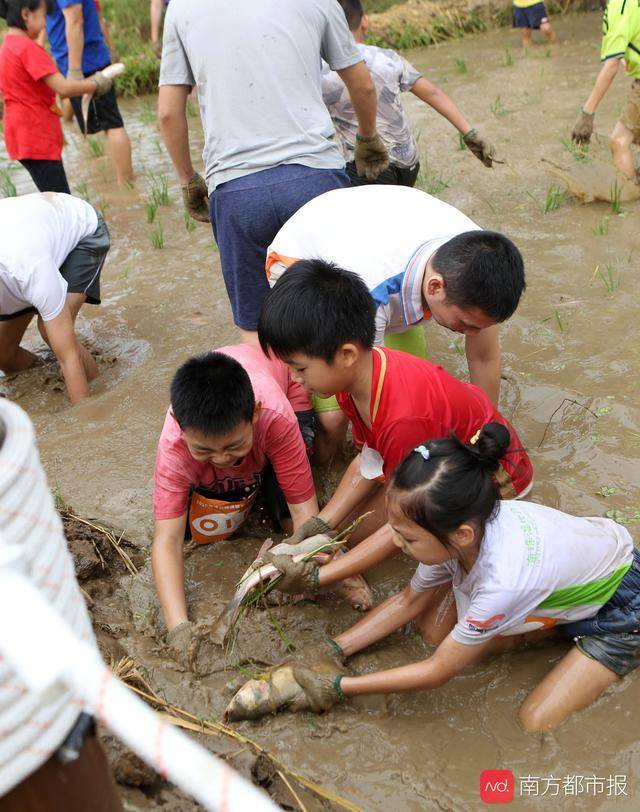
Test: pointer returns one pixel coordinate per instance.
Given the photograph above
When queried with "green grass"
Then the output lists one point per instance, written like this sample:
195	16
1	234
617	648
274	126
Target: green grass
610	279
147	113
7	186
498	109
508	58
96	146
616	194
431	182
158	190
189	222
82	190
156	237
579	152
554	199
461	66
151	212
602	229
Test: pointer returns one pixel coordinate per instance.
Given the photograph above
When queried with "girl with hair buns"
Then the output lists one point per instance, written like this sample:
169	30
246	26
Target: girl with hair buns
519	571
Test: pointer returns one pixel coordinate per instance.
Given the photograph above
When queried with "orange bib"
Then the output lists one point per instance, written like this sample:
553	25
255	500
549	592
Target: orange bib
214	519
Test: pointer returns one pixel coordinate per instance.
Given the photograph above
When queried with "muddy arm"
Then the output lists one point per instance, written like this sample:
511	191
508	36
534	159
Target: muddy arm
483	357
61	337
351	491
168	569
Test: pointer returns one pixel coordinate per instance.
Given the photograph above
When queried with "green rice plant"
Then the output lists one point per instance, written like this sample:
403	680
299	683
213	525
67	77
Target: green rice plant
158	189
7	186
547	52
151	212
431	182
147	113
191	109
602	228
610	279
96	146
461	144
558	320
554	199
83	191
616	194
158	146
579	152
508	58
498	109
461	66
189	222
156	237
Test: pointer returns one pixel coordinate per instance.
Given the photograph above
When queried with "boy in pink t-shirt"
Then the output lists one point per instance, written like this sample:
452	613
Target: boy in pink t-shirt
235	416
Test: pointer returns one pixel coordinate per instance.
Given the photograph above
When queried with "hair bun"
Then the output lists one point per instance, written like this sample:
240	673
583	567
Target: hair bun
491	446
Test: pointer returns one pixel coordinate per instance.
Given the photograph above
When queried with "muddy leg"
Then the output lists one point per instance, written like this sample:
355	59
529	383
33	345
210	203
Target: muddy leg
526	37
549	33
574	683
13	357
620	142
119	148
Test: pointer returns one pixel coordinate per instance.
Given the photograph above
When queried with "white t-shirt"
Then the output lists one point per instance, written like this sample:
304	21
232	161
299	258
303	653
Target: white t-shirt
37	234
537	567
385	234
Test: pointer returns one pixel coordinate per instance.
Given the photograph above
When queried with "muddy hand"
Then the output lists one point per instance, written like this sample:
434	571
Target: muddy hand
312	527
326	649
320	682
371	156
481	148
583	128
191	649
297	576
196	199
103	83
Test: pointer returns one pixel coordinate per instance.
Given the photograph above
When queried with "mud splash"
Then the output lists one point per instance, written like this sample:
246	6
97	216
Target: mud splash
575	337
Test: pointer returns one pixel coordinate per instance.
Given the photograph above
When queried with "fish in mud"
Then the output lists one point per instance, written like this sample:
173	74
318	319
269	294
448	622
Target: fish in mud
259	573
271	693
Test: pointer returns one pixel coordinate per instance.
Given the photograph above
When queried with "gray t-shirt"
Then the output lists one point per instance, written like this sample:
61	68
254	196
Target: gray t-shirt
257	67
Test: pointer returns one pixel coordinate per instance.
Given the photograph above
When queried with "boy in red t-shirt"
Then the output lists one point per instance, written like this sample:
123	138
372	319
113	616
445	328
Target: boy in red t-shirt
320	320
236	423
29	81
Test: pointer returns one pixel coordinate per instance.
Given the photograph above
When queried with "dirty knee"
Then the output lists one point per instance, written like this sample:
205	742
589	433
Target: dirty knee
532	718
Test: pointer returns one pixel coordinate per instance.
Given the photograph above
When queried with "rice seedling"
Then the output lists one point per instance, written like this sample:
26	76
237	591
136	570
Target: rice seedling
558	320
610	279
147	113
461	66
554	199
431	182
83	190
461	144
547	52
191	109
498	109
579	152
508	58
616	194
158	189
96	146
189	222
156	237
602	228
7	186
151	212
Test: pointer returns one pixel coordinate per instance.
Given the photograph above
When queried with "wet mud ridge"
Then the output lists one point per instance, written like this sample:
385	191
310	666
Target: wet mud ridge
116	582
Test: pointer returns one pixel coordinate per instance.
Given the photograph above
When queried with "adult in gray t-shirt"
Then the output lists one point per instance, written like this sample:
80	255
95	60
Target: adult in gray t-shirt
269	142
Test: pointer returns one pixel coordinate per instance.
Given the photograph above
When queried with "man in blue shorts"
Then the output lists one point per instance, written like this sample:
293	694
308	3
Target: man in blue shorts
269	144
531	15
79	49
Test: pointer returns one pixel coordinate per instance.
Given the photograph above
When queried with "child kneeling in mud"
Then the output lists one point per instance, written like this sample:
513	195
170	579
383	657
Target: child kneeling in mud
236	423
519	572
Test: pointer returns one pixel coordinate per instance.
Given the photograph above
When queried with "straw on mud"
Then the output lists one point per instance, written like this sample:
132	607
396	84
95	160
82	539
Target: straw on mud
292	791
115	543
127	671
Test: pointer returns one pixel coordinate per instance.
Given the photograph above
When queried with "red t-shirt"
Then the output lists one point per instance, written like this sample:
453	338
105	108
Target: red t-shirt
276	439
31	125
413	400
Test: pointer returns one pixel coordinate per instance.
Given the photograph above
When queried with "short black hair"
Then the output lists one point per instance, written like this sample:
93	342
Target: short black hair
482	269
212	394
314	308
11	11
353	11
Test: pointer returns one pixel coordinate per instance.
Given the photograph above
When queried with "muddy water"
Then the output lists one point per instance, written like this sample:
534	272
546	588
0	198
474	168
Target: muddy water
571	340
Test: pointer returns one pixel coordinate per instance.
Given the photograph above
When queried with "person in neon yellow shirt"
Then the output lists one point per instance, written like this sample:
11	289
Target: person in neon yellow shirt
620	44
531	15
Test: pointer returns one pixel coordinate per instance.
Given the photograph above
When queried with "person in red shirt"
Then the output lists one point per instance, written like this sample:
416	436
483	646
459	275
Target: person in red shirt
320	320
236	423
29	81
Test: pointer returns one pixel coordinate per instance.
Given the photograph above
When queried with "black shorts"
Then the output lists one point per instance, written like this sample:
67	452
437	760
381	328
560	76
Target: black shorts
530	17
81	269
393	175
103	112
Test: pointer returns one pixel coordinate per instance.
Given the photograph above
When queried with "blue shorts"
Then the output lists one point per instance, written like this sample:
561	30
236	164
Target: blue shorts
247	213
531	17
612	637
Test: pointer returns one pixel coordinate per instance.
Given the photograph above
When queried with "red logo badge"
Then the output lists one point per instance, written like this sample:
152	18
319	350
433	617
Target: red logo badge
496	786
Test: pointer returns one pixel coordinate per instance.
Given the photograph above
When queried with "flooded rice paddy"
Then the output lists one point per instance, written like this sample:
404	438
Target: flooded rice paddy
571	368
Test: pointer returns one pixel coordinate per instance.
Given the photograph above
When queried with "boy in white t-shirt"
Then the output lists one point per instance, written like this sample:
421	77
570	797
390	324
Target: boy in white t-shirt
52	249
392	75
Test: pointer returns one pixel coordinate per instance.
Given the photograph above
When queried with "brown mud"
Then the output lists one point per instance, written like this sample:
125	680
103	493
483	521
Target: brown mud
574	343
